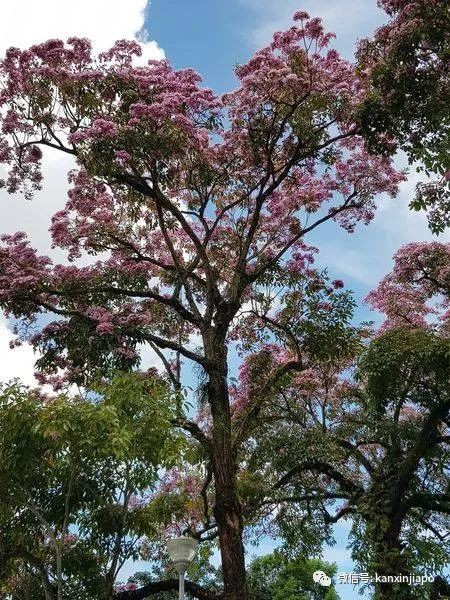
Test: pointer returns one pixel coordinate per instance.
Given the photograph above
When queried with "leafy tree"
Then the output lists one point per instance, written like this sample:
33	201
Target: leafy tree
273	577
408	103
376	450
72	472
196	207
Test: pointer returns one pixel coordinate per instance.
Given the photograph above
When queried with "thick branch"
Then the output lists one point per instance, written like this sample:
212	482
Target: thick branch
151	589
154	339
322	467
344	511
169	345
247	419
426	440
304	498
430	502
194	430
356	453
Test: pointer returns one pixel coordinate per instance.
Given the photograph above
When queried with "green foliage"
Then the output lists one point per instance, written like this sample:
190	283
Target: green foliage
374	448
433	197
69	469
409	87
407	106
315	314
273	577
270	577
406	364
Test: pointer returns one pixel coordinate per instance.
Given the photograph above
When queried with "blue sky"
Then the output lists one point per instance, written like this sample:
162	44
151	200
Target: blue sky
211	36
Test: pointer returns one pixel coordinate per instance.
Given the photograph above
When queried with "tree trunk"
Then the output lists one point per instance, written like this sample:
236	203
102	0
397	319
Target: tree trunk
389	560
227	509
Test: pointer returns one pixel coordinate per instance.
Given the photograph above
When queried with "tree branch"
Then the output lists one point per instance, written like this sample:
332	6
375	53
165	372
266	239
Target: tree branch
430	502
322	467
153	588
194	430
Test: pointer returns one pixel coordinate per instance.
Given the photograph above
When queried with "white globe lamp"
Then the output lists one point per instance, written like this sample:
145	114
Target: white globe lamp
182	551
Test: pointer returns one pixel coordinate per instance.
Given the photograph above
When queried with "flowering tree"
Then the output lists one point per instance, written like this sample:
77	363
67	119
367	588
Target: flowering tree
407	107
417	292
197	209
365	435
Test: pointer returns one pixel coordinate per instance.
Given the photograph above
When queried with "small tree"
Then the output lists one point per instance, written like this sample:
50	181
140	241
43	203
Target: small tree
274	577
71	475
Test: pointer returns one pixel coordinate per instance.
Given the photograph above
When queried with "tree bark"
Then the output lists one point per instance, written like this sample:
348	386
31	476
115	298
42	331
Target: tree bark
389	559
227	508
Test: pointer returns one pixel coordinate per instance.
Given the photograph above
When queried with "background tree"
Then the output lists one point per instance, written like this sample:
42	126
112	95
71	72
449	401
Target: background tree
192	204
71	478
274	577
375	450
407	106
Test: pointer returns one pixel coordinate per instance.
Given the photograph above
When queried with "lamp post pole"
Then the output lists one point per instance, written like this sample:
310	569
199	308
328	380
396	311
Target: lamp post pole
181	590
182	551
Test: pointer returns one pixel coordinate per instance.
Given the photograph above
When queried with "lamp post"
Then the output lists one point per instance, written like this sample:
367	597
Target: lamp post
182	551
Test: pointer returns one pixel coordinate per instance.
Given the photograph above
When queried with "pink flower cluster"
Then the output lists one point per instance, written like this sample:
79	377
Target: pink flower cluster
100	128
21	269
417	291
125	587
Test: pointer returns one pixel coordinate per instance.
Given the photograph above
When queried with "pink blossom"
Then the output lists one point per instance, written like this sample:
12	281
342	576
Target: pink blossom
300	15
416	292
337	284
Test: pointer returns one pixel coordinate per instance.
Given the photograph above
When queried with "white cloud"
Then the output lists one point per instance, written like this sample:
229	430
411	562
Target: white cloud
397	220
26	22
349	19
149	358
345	259
17	363
34	216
